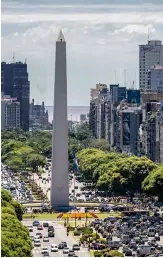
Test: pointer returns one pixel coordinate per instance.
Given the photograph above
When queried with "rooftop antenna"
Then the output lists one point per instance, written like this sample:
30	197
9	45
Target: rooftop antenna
25	61
133	86
125	78
148	33
13	58
115	76
135	80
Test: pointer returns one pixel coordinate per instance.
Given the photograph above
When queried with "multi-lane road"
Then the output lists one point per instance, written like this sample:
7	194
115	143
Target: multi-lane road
46	185
60	236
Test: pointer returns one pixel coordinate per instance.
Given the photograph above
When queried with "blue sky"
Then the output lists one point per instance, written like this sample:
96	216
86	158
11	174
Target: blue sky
102	36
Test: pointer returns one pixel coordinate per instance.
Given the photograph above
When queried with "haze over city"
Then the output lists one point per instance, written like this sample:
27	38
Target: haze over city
102	36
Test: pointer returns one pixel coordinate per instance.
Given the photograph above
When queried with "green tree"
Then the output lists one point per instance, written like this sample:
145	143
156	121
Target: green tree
153	183
15	237
83	133
101	144
18	209
15	163
125	175
36	160
5	196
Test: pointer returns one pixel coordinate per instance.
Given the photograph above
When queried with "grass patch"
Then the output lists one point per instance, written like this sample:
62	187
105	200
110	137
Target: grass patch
33	204
41	216
80	223
91	253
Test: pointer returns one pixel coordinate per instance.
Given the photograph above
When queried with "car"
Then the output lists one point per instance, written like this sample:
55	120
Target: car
36	237
71	253
45	224
75	247
66	250
45	239
46	254
40	227
50	228
125	248
64	243
36	223
128	253
54	248
157	238
60	246
37	242
51	234
39	234
44	250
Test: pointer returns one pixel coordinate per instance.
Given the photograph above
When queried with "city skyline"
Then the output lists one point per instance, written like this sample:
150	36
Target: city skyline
94	34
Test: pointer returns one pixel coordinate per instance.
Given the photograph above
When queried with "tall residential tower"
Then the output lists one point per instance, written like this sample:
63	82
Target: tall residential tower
149	55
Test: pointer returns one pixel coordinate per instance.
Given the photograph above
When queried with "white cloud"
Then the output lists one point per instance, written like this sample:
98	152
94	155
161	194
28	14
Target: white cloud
95	18
99	39
136	28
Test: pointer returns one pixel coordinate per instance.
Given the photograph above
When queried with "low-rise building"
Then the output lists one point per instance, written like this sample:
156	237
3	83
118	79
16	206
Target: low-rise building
38	116
10	112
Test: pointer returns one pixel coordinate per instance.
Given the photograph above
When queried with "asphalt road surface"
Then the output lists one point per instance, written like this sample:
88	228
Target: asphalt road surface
46	185
60	235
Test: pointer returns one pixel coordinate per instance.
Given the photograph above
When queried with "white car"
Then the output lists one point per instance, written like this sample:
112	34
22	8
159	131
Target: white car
36	237
46	239
37	242
44	250
66	250
54	248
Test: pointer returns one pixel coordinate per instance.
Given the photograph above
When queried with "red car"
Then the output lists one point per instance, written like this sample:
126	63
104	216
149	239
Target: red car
40	227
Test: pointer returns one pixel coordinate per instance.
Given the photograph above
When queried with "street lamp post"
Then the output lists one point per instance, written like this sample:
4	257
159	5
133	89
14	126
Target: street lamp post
86	218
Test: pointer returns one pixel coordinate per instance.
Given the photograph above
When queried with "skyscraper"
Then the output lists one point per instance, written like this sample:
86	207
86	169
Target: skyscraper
14	82
149	55
60	181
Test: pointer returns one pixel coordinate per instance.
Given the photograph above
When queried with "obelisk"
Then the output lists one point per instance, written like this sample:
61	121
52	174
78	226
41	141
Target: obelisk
59	176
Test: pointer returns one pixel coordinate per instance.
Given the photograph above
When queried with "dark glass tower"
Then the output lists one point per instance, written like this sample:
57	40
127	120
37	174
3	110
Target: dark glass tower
14	82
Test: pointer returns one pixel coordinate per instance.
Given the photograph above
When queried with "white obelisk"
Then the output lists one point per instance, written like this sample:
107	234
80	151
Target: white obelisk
60	180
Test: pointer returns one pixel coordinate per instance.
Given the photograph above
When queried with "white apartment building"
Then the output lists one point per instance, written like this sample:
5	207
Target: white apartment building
149	55
10	113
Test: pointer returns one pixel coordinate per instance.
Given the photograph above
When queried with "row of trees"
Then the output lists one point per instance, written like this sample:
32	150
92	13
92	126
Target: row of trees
15	241
110	171
119	173
21	150
25	149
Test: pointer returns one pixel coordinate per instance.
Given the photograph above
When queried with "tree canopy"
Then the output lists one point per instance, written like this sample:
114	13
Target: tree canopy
153	183
114	172
15	237
25	149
